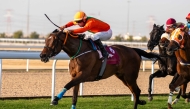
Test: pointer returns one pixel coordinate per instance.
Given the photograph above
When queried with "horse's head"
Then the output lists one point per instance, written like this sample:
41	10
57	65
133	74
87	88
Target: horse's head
53	45
179	38
155	35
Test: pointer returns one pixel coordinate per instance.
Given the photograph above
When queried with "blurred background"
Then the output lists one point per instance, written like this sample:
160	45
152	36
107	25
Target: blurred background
128	18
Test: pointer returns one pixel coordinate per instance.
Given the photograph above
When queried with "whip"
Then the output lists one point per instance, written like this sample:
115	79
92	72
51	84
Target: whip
51	21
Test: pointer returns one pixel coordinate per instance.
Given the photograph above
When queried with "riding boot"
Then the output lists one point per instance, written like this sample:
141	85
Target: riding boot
102	49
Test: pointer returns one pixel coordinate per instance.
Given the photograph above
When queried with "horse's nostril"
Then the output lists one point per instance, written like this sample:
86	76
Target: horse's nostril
41	55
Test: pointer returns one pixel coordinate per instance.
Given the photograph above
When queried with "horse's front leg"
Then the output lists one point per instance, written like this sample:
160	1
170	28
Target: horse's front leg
74	82
75	96
180	80
157	74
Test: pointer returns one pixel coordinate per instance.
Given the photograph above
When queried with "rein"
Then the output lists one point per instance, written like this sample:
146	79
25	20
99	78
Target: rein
76	54
67	36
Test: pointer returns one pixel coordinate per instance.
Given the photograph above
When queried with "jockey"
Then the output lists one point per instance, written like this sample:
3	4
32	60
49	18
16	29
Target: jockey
100	29
188	22
171	25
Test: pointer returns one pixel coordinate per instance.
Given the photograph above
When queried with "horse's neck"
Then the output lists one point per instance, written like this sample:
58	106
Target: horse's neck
162	51
184	54
74	45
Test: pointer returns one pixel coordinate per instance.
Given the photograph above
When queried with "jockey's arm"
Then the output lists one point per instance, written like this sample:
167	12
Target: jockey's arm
69	24
87	27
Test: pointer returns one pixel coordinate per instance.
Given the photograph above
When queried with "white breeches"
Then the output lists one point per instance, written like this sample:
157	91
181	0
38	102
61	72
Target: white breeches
103	36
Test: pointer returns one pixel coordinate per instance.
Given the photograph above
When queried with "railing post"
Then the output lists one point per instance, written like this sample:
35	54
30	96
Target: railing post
132	97
81	89
0	75
53	79
27	62
144	66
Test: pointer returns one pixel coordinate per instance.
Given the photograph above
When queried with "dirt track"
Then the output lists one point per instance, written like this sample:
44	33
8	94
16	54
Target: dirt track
38	83
16	82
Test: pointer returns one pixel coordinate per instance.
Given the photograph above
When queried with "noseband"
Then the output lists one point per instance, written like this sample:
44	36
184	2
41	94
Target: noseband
53	53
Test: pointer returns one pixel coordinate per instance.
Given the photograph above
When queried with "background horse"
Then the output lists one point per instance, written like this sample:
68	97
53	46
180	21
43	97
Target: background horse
85	65
180	43
164	69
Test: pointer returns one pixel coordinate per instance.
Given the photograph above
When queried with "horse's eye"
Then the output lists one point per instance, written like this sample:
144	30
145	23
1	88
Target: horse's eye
179	37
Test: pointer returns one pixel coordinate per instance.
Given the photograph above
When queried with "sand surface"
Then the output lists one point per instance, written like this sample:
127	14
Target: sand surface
17	82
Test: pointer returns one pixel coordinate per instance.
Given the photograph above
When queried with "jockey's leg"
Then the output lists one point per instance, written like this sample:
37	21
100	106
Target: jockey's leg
103	50
104	35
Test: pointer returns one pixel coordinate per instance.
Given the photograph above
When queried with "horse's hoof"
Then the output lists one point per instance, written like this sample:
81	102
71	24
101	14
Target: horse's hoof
142	102
177	89
169	106
150	98
54	103
175	101
187	100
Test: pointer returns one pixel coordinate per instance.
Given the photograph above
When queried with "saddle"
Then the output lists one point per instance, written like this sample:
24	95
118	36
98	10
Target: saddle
113	58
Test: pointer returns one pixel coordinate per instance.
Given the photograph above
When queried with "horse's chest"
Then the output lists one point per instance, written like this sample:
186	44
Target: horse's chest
184	71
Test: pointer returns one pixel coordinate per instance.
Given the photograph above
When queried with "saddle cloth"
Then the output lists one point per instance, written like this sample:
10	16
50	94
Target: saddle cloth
113	57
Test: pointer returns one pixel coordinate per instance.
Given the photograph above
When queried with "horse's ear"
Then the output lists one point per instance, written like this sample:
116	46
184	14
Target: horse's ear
154	25
55	31
162	26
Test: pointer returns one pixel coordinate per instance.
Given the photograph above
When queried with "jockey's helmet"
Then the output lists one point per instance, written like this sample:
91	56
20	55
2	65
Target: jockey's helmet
170	22
188	16
80	15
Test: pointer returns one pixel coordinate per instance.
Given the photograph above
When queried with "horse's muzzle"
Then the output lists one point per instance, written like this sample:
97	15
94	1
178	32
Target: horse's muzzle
44	58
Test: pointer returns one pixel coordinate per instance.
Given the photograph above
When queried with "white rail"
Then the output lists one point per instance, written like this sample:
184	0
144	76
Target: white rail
35	55
41	41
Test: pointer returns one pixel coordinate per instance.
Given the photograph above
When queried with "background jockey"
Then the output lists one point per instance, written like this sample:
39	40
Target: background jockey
100	29
188	22
171	25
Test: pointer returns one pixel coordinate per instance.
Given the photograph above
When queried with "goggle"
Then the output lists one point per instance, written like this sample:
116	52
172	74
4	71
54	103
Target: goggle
170	27
79	21
188	20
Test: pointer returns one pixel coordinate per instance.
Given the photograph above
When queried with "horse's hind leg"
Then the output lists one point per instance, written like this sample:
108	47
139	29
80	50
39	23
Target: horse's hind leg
188	98
75	96
134	89
177	97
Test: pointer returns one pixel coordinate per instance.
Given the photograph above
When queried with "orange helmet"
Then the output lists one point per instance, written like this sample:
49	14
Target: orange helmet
80	15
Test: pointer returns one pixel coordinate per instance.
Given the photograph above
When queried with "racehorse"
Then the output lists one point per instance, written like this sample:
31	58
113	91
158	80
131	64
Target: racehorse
180	44
85	64
164	69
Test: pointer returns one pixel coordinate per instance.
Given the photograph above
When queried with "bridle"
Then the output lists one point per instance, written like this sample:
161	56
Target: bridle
159	33
53	50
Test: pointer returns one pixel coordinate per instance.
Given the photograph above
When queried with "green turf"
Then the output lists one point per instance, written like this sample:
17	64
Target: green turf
116	102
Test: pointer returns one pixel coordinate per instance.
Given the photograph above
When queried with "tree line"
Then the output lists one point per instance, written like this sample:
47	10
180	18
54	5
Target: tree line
19	34
35	35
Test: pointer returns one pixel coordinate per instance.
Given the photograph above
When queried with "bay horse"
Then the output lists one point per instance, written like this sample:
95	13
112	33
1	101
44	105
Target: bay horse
164	69
85	66
180	44
170	60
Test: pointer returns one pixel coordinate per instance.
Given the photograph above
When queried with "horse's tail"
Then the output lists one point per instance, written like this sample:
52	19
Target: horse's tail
148	55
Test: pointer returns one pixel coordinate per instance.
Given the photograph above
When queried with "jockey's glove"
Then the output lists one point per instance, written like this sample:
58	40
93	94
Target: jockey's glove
81	36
